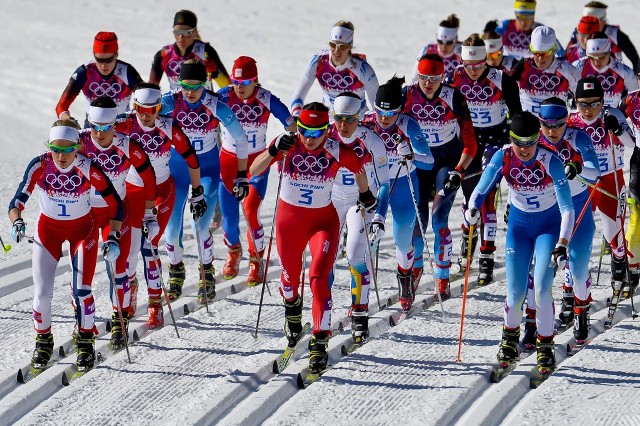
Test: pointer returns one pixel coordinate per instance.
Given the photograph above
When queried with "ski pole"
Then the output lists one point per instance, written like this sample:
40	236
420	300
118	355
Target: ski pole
464	291
600	262
584	209
253	239
5	247
156	260
594	185
375	280
273	225
112	278
202	277
426	246
304	269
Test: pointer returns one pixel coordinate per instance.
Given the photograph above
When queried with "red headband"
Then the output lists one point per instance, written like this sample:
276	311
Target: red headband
105	42
430	67
314	119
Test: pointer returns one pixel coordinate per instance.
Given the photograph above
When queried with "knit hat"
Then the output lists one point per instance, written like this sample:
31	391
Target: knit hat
244	68
105	42
589	87
588	25
553	109
185	17
196	71
389	97
543	39
525	128
524	7
313	119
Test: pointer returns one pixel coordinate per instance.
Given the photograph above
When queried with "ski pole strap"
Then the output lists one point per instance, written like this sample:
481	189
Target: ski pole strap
596	187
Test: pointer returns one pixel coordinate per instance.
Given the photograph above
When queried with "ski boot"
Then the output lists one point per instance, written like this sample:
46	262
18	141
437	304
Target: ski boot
530	330
176	280
359	323
634	278
256	270
210	280
293	320
566	311
118	336
156	313
44	350
318	357
618	275
415	280
464	246
133	304
546	360
581	325
232	265
405	288
485	261
508	352
86	355
443	289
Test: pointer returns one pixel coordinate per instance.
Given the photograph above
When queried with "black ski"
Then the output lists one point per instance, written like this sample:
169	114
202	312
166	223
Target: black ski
573	349
306	378
613	306
538	376
282	361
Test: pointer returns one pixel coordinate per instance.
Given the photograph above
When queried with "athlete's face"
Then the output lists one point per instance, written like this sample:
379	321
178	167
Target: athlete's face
339	52
102	137
524	22
313	143
190	94
543	60
146	118
525	153
589	108
62	159
474	69
553	134
185	36
105	62
446	48
600	61
386	121
494	58
346	125
244	91
429	84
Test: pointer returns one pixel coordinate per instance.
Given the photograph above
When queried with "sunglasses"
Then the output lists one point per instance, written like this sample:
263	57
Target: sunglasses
598	57
243	82
105	60
147	109
543	54
311	133
494	55
429	78
524	141
62	149
387	112
446	43
588	104
340	118
184	33
477	66
193	87
101	127
524	16
553	124
339	46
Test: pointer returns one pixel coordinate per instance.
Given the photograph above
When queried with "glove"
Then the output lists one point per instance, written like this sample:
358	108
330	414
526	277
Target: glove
241	185
560	256
198	205
376	229
111	247
454	180
612	124
18	229
404	150
284	142
150	227
506	214
472	216
367	201
572	169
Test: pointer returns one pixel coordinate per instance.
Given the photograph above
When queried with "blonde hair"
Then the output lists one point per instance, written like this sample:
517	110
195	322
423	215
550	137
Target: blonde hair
67	123
344	24
473	40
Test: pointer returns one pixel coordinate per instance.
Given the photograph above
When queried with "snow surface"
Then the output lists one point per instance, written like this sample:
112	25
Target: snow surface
216	372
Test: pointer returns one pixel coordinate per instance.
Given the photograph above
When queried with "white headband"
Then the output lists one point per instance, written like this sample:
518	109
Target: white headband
147	96
473	53
64	133
341	35
493	44
102	115
598	12
446	34
347	105
598	46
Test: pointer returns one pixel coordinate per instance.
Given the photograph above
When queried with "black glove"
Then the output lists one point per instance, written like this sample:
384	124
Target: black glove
367	201
560	256
506	214
198	205
241	185
612	124
572	169
18	229
284	142
490	26
453	181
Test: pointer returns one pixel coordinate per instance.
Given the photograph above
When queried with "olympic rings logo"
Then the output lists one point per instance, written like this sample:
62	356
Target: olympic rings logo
428	111
523	176
596	133
310	163
57	182
337	81
174	66
476	92
564	153
519	39
105	89
359	150
150	143
607	83
193	119
247	112
548	82
636	115
107	162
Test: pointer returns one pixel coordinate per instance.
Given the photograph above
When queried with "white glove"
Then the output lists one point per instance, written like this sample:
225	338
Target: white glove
559	255
111	247
150	227
18	229
404	150
376	229
472	216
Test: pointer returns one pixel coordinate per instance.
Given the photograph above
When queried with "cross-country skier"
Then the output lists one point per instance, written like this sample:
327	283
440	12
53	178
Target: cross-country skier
106	75
188	45
252	105
66	180
446	46
496	57
541	216
306	215
199	113
443	115
588	25
338	69
157	136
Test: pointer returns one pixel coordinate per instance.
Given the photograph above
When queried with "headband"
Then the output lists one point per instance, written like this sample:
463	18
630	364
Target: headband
446	34
473	53
147	96
64	133
598	12
493	45
341	35
598	46
102	115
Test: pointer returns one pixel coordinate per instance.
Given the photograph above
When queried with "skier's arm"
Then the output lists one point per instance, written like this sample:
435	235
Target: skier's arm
590	166
156	68
629	50
467	134
215	68
303	87
140	161
105	188
563	194
511	93
381	168
422	157
489	179
181	143
281	112
29	179
229	120
76	82
167	104
371	84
